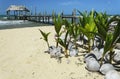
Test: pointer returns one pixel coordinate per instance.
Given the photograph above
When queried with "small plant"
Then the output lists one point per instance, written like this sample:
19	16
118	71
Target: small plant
73	31
87	25
45	36
110	42
102	21
64	43
57	26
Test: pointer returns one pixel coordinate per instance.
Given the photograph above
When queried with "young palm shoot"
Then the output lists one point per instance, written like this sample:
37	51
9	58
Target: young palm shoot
102	22
64	43
87	25
73	32
45	36
110	42
57	25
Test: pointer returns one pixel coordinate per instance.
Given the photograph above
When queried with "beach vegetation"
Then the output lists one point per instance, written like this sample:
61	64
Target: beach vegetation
73	31
64	43
91	25
110	42
103	21
87	25
45	36
57	26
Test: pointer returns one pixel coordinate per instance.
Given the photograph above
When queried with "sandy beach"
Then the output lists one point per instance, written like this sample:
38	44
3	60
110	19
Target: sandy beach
22	57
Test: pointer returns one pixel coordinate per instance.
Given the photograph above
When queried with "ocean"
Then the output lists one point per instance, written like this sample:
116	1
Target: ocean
9	24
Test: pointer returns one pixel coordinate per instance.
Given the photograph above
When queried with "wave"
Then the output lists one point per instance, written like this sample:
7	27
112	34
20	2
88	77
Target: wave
13	22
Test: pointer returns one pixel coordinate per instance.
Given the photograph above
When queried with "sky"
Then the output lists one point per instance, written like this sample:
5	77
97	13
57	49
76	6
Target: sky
66	6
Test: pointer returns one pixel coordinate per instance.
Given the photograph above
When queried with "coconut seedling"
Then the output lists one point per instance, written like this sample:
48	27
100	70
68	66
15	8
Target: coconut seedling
92	64
58	22
64	43
102	23
112	74
82	23
73	33
45	36
110	42
57	26
86	26
116	58
106	68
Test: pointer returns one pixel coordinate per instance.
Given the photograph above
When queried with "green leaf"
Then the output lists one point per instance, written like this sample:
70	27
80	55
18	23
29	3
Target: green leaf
61	42
45	35
58	24
108	43
102	24
66	23
116	34
111	39
87	24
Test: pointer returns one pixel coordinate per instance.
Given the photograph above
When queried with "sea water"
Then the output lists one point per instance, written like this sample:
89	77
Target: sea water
8	24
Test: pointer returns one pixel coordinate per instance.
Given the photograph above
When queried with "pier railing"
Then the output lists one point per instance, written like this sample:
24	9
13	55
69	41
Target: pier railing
48	19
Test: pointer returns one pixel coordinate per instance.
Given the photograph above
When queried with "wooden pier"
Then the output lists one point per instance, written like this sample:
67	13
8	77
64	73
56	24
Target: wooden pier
47	19
22	14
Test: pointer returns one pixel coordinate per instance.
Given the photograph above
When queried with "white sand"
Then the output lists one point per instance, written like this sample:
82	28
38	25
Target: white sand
22	57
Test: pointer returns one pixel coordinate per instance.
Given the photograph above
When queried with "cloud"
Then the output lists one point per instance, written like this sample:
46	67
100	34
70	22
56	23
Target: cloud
70	3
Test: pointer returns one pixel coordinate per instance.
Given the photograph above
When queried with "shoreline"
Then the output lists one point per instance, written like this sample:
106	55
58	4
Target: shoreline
11	24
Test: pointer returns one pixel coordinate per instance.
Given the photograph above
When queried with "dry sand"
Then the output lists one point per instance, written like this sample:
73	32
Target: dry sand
22	57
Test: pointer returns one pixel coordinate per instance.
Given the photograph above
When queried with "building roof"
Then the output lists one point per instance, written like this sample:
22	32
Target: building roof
17	8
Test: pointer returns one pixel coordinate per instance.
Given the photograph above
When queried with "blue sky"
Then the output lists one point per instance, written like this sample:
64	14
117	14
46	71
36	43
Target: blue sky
110	6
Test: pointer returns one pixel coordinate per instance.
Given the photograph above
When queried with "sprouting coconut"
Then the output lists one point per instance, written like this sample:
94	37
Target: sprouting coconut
55	52
79	40
117	46
97	42
116	57
62	37
88	56
106	68
112	74
92	64
70	45
51	48
97	53
73	52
